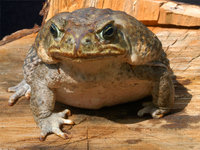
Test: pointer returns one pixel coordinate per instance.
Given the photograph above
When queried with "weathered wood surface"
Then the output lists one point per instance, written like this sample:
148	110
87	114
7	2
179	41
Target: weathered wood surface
150	12
116	127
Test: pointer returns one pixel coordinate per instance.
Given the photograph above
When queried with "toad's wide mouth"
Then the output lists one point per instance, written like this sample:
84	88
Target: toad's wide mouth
58	53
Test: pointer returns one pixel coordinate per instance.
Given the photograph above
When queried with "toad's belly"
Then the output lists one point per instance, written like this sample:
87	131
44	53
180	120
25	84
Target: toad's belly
97	95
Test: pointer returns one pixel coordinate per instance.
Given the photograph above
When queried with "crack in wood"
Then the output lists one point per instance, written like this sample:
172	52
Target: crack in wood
185	37
191	62
88	146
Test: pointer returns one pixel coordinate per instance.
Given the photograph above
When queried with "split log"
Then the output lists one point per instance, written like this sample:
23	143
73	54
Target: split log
115	127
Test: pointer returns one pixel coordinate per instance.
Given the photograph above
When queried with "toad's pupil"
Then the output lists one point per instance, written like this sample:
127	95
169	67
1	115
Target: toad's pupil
53	30
108	31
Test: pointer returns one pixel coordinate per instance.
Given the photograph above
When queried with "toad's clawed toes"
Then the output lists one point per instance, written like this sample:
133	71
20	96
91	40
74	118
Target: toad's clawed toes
52	124
22	89
56	131
153	111
65	112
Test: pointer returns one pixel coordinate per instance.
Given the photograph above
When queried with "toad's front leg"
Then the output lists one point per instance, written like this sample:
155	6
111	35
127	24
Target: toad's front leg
162	90
42	106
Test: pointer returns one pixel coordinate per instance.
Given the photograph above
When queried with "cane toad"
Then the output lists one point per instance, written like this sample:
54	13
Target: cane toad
91	58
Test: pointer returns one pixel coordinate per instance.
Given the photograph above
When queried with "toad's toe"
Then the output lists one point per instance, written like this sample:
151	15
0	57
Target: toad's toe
64	112
22	89
52	124
154	111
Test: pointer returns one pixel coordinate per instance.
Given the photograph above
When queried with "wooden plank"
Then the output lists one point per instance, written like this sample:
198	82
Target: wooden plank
115	127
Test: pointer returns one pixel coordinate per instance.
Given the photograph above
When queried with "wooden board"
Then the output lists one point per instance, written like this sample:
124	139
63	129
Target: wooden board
115	127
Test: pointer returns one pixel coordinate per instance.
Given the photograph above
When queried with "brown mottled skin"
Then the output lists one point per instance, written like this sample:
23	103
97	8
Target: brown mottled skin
91	58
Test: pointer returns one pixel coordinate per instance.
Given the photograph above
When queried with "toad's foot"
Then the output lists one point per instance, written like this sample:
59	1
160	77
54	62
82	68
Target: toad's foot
154	111
22	89
52	124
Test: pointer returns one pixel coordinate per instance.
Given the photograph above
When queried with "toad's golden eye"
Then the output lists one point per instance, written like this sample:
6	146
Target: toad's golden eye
54	30
108	31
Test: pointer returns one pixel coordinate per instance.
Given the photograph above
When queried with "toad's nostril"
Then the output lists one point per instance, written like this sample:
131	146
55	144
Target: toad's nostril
88	41
68	40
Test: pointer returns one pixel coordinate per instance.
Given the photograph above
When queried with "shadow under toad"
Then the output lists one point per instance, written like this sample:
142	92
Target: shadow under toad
127	113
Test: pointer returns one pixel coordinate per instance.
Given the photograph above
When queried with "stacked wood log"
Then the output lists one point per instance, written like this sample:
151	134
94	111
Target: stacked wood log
150	12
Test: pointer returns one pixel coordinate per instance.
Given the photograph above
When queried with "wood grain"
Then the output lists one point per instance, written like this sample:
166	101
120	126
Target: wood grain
115	127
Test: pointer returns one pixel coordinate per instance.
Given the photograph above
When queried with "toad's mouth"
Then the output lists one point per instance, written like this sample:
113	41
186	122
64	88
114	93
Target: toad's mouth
59	53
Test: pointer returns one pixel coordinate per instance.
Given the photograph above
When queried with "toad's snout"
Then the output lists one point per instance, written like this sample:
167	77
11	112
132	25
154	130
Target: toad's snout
78	44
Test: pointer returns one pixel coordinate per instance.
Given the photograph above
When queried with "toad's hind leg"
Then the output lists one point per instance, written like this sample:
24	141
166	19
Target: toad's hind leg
21	89
162	90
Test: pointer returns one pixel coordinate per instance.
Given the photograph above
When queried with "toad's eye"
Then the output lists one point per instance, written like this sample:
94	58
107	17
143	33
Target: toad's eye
54	30
108	31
